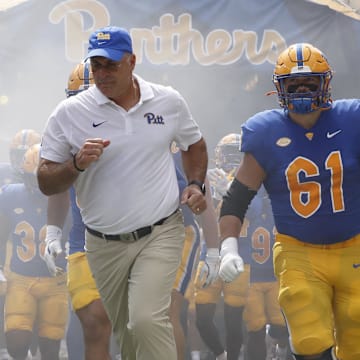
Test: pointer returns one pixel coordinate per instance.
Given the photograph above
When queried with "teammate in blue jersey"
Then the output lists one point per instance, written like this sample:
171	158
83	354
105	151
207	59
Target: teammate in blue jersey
10	174
33	295
266	330
307	156
227	159
209	224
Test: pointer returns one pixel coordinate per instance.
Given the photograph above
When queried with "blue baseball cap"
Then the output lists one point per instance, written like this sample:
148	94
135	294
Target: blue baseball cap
111	42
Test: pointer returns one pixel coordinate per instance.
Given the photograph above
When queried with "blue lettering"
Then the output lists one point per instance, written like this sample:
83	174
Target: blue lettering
150	117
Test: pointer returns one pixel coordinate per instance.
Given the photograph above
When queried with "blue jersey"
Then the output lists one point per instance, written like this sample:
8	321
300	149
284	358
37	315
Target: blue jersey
7	175
256	239
25	215
259	232
312	175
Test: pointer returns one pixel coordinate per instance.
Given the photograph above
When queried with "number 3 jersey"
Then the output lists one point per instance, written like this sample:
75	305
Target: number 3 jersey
312	175
24	211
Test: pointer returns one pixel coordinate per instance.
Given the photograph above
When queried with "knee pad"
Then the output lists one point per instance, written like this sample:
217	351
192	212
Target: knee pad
328	354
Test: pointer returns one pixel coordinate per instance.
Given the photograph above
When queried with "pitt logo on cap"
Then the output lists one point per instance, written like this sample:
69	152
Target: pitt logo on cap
102	36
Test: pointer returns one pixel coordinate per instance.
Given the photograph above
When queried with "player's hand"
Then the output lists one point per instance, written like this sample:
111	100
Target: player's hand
231	265
53	249
219	181
3	283
210	268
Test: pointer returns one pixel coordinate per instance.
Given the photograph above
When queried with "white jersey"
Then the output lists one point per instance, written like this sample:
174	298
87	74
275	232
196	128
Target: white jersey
133	184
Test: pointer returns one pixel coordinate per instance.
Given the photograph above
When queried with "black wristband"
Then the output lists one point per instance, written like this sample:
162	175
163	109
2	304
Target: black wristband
75	165
199	184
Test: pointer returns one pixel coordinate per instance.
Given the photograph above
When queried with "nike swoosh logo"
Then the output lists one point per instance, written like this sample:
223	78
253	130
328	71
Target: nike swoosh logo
98	124
331	135
355	266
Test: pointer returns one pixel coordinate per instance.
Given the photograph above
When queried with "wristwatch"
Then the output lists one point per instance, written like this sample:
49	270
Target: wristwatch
199	184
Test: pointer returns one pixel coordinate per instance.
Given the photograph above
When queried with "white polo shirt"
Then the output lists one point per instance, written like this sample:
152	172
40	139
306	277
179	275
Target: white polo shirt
133	184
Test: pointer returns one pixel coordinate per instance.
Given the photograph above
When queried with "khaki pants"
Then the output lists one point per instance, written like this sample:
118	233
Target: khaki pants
135	280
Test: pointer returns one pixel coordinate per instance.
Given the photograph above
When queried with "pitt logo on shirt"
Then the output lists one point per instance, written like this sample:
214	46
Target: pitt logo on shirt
154	119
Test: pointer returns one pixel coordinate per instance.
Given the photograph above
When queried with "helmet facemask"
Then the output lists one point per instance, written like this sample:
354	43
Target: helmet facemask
20	143
304	102
227	153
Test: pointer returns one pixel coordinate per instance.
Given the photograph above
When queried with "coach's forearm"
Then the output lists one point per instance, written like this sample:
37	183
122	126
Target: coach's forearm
55	177
195	161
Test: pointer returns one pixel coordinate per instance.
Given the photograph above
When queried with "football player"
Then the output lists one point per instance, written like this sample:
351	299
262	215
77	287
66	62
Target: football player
10	173
209	225
307	156
227	158
33	295
266	330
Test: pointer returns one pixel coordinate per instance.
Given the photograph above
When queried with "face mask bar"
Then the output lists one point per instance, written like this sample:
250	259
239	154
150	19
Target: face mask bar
307	102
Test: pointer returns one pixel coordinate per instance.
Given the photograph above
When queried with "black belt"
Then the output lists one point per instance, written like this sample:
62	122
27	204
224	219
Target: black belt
131	236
